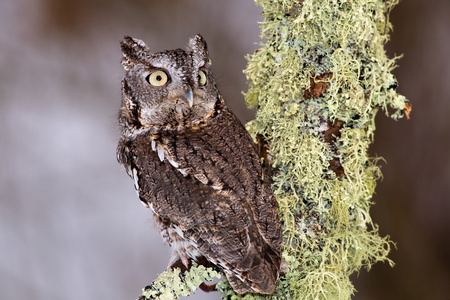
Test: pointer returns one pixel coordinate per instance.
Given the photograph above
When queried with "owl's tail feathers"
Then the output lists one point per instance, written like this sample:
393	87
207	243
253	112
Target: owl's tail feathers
260	277
258	280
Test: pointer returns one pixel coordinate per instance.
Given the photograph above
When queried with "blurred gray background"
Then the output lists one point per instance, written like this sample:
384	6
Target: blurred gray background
71	226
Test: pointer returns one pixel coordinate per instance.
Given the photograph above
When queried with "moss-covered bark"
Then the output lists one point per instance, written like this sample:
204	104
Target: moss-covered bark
317	82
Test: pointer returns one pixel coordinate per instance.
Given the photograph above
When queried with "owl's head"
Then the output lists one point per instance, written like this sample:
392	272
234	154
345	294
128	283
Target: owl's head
172	89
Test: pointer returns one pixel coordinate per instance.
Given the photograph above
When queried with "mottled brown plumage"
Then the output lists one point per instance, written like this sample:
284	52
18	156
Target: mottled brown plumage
196	166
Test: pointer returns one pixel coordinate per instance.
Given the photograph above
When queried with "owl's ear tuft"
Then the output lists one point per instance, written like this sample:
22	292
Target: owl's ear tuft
132	50
197	45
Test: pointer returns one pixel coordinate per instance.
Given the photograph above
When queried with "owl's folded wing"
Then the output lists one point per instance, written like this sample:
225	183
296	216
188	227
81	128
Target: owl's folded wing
223	157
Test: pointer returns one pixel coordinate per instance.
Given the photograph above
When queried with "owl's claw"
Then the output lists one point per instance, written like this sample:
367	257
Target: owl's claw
185	262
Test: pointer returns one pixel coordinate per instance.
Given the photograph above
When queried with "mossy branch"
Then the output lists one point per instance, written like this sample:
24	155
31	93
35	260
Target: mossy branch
318	82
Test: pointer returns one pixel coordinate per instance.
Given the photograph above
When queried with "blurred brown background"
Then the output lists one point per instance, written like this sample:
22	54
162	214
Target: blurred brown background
71	226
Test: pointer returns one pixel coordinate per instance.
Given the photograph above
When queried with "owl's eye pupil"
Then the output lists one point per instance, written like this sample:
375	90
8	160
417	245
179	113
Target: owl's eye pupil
158	78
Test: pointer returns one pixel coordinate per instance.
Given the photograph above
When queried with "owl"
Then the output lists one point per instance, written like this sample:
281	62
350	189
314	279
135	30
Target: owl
196	167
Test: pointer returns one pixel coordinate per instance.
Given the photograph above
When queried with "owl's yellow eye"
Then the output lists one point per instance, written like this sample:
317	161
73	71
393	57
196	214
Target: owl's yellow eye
201	77
157	78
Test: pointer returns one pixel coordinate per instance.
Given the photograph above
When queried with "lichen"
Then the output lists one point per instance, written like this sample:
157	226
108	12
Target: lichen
318	82
172	283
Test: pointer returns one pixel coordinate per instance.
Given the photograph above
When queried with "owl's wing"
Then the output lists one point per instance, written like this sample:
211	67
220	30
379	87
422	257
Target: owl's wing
223	157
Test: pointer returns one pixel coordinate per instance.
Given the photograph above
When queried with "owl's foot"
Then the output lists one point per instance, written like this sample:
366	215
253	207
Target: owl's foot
185	264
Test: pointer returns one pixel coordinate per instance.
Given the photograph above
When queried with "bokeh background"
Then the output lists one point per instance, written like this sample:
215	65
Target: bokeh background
71	226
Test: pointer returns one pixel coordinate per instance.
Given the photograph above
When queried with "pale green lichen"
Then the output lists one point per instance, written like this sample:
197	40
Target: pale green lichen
328	231
172	284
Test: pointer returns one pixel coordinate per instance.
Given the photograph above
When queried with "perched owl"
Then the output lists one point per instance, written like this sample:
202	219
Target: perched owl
196	167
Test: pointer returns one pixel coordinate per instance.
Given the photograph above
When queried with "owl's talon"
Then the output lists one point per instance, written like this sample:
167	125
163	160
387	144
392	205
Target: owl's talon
185	262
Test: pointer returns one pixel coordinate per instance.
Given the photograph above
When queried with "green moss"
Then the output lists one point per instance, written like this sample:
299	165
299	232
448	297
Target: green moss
328	231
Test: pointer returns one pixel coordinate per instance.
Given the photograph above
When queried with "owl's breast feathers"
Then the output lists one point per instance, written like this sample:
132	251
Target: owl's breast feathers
207	181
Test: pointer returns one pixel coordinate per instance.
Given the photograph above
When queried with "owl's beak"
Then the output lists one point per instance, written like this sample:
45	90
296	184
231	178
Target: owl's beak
188	97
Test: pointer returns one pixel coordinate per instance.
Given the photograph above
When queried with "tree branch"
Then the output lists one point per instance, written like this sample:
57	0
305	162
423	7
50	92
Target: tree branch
318	82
